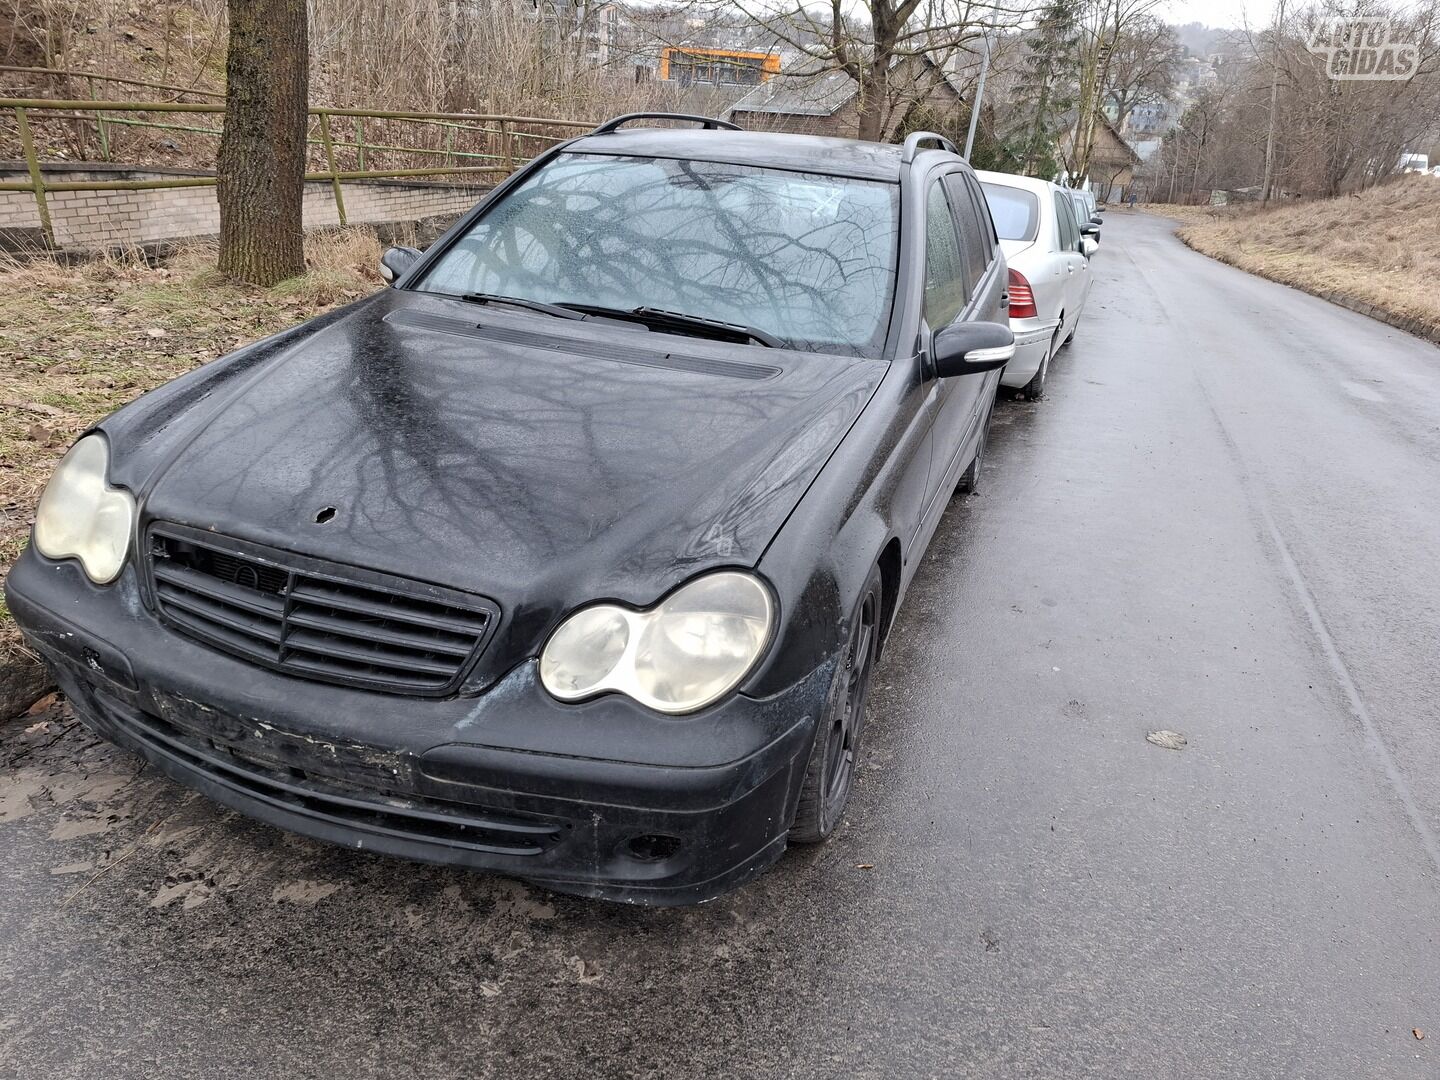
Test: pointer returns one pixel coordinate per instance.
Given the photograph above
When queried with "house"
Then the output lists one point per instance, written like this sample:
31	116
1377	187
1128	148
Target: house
1150	119
827	102
1112	161
597	27
692	65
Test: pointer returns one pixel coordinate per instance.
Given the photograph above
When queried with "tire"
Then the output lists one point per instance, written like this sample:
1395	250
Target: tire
1034	390
970	478
830	773
1071	336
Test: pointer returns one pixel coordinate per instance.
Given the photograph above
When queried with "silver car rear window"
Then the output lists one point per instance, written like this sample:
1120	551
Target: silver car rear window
1016	211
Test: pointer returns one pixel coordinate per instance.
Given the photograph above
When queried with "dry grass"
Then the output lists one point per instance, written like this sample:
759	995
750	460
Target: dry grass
78	342
1380	247
1186	215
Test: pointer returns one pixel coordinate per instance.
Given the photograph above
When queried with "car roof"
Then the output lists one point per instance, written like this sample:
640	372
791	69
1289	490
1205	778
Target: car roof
1029	183
763	149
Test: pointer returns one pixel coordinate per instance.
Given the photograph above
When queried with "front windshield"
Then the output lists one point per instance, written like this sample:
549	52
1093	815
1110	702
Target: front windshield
807	258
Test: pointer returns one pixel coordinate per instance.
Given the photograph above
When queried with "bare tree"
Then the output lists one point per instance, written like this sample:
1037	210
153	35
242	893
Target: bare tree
1142	67
261	166
893	49
1277	121
1102	28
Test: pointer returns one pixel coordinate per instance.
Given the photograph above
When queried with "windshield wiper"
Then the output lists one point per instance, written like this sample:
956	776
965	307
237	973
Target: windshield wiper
679	322
655	318
529	305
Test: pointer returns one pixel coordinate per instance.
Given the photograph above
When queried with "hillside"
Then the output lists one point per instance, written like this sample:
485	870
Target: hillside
1378	249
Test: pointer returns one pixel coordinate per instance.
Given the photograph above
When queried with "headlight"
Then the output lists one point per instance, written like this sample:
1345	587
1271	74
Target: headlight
689	650
81	516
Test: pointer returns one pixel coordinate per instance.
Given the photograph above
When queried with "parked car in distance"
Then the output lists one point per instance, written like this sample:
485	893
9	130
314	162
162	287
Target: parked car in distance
569	555
1049	271
1086	212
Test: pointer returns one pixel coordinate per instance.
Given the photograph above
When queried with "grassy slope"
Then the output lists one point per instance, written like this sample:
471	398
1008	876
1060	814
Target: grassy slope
77	343
1380	247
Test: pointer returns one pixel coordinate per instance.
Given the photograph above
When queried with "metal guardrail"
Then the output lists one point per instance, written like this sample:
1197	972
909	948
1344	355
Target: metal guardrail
507	133
92	77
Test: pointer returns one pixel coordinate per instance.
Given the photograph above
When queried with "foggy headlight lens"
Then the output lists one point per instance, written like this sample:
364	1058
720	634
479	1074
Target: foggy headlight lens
81	516
686	652
584	651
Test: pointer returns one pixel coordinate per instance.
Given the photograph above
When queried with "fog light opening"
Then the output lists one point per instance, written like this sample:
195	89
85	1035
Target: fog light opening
652	847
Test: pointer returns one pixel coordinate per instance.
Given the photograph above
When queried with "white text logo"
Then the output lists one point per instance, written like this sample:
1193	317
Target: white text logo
1360	48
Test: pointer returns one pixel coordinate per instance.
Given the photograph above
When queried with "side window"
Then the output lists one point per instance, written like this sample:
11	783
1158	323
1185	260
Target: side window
1065	215
945	291
987	222
974	237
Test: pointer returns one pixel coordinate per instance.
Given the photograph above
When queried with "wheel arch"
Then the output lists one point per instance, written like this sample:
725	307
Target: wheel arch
891	565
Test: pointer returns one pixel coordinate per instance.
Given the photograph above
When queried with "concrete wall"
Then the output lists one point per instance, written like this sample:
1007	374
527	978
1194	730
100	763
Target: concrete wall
97	220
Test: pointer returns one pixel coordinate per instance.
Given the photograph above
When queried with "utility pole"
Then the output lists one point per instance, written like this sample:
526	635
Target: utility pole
979	96
1175	166
1199	151
1269	180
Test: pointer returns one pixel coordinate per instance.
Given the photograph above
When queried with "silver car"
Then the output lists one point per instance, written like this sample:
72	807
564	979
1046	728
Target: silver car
1048	254
1083	203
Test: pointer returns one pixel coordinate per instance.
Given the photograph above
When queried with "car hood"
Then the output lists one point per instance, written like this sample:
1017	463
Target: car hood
539	462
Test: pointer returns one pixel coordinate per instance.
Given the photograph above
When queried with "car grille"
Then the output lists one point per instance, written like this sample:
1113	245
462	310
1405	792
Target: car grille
316	620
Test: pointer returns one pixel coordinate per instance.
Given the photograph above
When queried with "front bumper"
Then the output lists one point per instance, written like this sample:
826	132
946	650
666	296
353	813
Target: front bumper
1032	343
603	799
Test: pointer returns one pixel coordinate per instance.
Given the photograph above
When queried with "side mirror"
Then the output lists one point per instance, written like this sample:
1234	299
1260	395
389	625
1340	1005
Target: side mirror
1090	228
968	348
1088	246
396	261
1096	219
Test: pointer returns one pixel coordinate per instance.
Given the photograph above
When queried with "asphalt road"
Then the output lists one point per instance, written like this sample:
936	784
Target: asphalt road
1224	521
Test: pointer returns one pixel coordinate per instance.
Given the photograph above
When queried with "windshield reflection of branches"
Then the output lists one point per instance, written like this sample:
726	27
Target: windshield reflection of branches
806	257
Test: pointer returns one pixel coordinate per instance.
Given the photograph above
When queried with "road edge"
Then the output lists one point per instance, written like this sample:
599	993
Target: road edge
1415	327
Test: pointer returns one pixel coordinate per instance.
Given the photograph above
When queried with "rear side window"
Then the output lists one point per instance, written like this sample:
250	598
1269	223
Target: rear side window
987	222
945	289
1016	212
1065	218
975	240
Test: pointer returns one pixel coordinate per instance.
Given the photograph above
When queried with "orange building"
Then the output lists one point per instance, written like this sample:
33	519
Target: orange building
691	65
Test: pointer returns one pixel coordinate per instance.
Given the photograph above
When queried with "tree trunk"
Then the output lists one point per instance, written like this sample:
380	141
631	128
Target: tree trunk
1269	178
261	168
874	103
1038	130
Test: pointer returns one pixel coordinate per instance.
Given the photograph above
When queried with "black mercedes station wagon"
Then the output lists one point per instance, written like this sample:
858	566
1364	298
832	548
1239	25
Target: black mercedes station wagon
569	555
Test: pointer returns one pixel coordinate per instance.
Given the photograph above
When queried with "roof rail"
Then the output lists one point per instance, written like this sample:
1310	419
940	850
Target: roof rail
915	138
707	122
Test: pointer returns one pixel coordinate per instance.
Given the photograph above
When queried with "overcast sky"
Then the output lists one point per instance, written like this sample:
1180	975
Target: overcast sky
1220	13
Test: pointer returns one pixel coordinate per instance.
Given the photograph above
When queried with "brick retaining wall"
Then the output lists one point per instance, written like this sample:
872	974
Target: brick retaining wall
98	220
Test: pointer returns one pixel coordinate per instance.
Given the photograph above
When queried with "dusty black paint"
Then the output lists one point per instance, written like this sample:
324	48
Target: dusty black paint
543	477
